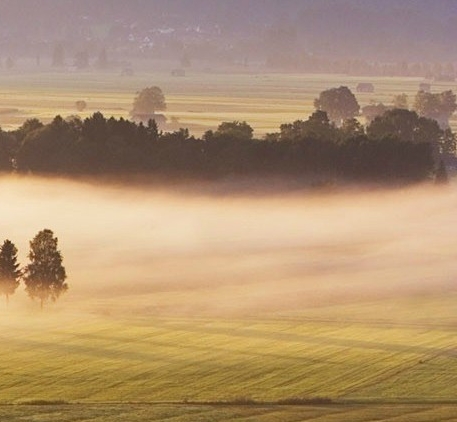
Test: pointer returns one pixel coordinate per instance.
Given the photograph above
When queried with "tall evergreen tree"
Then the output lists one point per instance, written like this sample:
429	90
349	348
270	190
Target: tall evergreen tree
9	269
45	275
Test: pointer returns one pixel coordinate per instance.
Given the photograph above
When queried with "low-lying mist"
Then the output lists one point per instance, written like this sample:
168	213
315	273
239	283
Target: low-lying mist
149	251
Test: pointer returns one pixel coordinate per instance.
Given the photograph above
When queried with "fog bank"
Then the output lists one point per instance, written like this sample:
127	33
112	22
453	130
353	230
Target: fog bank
154	252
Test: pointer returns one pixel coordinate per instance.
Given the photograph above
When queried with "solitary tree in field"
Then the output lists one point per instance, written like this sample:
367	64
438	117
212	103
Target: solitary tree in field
45	275
9	269
339	103
148	101
80	105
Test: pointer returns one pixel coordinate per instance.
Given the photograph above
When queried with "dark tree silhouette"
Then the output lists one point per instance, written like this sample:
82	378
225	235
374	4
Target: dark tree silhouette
9	269
397	146
234	130
371	111
339	103
436	106
148	101
407	126
45	276
317	126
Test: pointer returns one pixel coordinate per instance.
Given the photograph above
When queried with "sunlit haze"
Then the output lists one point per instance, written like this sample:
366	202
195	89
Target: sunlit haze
154	251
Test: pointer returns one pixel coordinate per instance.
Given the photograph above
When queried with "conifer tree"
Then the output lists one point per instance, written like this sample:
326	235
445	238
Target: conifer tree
45	276
9	269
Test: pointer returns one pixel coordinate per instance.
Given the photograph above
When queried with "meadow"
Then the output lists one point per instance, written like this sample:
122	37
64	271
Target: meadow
179	298
199	101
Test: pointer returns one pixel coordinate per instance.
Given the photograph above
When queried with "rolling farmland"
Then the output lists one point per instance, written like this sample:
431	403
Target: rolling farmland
164	352
141	368
201	360
198	101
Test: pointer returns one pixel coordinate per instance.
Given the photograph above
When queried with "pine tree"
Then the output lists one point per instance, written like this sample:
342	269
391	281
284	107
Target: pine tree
9	269
45	275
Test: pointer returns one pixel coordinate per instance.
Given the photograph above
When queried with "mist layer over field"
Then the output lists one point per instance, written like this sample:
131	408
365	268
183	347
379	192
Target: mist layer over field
152	251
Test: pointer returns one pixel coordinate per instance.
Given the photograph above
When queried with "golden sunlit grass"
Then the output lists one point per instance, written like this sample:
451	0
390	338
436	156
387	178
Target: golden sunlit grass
107	364
107	355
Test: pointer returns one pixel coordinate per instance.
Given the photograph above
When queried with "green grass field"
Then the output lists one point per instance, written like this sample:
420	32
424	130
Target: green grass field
178	359
199	101
390	359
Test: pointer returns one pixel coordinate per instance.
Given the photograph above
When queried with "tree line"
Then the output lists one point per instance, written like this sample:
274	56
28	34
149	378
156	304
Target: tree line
397	145
44	277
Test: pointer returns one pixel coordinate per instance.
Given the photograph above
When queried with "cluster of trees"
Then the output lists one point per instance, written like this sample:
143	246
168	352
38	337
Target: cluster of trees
435	106
398	144
44	277
428	122
97	145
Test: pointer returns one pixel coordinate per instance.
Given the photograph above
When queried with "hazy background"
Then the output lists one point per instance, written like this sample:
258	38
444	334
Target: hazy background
232	30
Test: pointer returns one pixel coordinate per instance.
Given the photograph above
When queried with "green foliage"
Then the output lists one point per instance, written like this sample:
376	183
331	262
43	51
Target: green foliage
407	126
339	103
45	276
237	131
318	126
436	106
313	147
148	101
9	269
47	148
352	128
27	127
